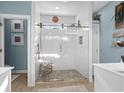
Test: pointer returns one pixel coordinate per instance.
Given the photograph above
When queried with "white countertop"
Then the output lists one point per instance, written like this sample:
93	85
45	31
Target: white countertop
5	69
112	67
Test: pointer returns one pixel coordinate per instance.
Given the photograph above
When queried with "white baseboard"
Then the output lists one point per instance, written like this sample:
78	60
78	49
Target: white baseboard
19	71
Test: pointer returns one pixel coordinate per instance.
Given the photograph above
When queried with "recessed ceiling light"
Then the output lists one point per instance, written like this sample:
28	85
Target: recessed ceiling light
57	7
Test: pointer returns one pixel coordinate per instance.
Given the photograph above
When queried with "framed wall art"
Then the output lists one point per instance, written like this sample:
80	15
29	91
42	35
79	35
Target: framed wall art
17	26
119	16
55	19
17	39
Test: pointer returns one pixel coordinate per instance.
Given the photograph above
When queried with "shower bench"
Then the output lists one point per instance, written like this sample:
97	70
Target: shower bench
45	70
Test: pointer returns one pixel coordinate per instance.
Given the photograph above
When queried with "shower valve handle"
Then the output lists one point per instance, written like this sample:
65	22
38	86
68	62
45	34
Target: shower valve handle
60	48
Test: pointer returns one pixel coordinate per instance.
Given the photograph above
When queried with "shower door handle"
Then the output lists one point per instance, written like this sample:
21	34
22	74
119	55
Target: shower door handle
60	47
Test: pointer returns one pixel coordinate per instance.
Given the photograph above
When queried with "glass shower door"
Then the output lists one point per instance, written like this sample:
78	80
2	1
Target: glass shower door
58	48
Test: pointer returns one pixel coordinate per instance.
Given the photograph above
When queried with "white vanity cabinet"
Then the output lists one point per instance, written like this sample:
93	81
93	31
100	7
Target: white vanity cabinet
5	79
109	77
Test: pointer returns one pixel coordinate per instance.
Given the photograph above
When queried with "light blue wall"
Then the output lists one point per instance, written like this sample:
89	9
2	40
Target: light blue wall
108	53
15	55
15	7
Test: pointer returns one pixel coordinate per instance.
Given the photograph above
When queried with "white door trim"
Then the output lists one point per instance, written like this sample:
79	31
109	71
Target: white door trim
27	17
96	35
90	42
32	65
2	47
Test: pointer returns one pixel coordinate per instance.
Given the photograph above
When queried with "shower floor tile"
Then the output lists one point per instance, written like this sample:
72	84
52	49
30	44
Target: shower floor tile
67	78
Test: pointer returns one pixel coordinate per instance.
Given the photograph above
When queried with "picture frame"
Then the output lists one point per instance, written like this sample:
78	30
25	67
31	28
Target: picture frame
17	39
17	25
119	16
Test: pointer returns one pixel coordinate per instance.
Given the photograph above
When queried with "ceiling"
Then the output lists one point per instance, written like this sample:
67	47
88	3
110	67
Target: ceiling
97	5
70	8
66	8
